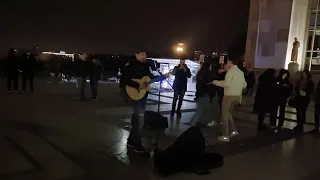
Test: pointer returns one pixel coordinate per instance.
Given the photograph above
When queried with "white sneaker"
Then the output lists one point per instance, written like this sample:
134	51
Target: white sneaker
211	124
234	133
224	138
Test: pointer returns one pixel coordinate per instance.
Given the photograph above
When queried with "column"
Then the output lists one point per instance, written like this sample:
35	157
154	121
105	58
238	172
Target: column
299	28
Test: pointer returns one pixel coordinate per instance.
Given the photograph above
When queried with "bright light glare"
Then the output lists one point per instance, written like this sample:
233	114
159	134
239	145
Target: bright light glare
180	44
179	49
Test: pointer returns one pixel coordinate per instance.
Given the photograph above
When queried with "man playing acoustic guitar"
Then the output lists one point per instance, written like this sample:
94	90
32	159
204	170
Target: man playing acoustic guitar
136	70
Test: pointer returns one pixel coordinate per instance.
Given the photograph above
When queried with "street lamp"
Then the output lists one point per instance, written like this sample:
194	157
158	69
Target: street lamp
179	49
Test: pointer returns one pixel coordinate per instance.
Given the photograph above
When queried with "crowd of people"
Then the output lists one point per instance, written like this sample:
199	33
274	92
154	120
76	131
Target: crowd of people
14	65
23	64
229	81
274	93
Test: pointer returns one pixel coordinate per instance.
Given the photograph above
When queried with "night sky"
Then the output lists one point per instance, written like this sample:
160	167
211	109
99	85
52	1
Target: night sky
120	26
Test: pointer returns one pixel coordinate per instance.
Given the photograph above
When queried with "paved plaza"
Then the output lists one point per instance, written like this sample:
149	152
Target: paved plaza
53	136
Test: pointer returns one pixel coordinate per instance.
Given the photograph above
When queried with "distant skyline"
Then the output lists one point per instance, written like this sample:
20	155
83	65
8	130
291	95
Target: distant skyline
119	26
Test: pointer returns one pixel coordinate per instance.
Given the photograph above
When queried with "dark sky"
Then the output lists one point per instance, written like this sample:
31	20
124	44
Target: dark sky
120	26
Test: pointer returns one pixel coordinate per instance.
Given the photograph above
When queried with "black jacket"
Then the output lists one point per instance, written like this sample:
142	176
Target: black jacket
265	100
11	64
135	70
96	71
308	88
181	78
81	68
284	89
221	77
28	65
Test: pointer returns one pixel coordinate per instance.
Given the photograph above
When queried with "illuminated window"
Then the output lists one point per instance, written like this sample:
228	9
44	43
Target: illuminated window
313	45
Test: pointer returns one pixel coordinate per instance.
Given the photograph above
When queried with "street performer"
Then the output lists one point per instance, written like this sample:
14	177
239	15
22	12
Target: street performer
138	69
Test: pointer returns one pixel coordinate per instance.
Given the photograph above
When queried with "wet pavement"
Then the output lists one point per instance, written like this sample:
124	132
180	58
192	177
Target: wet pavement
51	135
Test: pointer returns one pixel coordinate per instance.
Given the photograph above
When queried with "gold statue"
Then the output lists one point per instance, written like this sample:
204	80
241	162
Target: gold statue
294	54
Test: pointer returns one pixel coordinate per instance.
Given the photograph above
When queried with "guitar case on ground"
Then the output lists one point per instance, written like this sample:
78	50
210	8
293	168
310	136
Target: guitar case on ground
187	154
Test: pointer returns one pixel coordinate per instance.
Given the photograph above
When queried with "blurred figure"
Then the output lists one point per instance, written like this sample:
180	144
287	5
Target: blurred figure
181	73
303	90
251	81
122	86
203	105
220	90
96	70
317	110
265	100
12	70
28	66
81	68
233	85
284	88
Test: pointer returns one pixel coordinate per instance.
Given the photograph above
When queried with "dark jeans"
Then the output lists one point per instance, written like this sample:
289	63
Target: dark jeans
14	79
94	87
24	82
317	116
302	106
273	118
282	112
137	120
82	85
178	94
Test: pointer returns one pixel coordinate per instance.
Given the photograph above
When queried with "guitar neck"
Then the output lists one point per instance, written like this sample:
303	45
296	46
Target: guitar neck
159	78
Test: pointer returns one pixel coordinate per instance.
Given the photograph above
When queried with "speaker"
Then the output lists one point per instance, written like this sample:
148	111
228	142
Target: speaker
155	121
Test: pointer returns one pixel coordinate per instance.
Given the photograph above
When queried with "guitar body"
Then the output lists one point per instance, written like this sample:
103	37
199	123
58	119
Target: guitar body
136	94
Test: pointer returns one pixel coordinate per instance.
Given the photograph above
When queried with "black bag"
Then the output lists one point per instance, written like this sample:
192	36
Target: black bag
187	155
292	102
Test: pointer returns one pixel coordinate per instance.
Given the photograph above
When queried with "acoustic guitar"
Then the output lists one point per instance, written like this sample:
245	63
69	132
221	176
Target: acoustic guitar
137	94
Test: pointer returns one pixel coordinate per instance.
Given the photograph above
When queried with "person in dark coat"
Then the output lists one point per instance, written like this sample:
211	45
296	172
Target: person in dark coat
28	69
96	70
265	99
181	73
317	110
303	91
284	88
81	68
11	69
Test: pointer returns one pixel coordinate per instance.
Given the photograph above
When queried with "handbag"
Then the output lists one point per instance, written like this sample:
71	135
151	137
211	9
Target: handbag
292	102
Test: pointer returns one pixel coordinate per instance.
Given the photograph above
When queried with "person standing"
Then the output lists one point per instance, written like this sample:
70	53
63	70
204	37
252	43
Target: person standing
265	100
12	70
251	81
203	105
317	110
220	90
96	70
181	73
81	68
303	90
233	85
28	69
284	88
137	69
